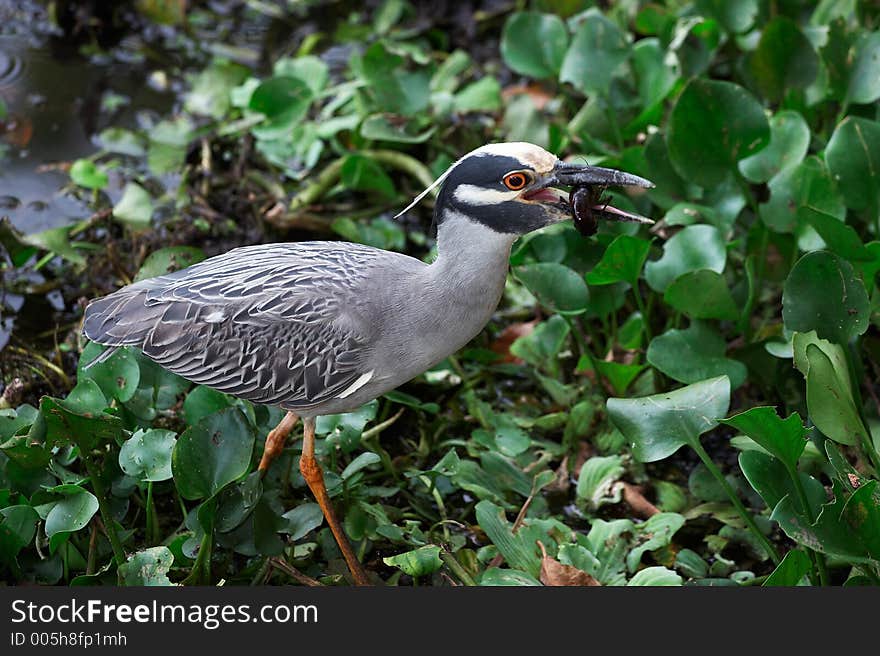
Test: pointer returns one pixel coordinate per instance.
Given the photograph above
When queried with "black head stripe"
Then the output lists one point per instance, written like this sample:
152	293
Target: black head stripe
483	170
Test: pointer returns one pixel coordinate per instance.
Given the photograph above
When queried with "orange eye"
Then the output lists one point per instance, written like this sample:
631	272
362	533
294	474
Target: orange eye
515	181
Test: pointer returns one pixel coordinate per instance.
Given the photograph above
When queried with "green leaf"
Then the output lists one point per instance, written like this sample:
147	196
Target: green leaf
839	237
378	127
418	562
122	141
118	376
784	59
655	576
736	17
862	513
806	185
308	68
148	567
783	438
596	478
556	286
622	261
695	247
395	90
55	240
789	142
864	77
791	571
534	44
712	126
657	426
301	520
284	101
495	576
770	479
360	173
597	50
168	142
146	455
69	513
363	460
702	294
543	344
853	156
209	95
212	454
653	534
824	294
512	545
831	408
203	401
80	418
86	173
135	207
484	95
618	374
18	525
169	259
694	354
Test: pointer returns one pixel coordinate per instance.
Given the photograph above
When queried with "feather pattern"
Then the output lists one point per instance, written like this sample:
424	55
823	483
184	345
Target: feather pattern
275	324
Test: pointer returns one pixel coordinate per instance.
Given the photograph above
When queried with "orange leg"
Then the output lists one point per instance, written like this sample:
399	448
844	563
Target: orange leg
311	471
275	441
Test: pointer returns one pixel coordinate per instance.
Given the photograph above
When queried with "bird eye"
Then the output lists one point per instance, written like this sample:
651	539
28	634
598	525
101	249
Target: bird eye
515	181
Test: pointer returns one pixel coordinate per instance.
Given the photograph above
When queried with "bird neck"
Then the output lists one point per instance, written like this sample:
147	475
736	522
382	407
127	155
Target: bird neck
466	248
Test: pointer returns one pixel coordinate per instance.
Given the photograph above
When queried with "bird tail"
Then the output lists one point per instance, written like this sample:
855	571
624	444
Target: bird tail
122	318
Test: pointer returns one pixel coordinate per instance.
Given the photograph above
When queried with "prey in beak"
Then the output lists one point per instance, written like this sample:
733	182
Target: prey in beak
585	202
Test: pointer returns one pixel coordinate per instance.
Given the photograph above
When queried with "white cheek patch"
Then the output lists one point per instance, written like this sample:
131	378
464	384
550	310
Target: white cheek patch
474	195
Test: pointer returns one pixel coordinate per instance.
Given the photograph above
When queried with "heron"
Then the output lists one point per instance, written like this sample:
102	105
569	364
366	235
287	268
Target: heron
323	327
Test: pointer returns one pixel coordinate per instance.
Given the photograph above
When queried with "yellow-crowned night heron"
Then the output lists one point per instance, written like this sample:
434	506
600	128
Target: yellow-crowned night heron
323	327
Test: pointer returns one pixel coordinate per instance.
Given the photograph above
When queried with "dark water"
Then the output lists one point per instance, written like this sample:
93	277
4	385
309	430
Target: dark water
57	102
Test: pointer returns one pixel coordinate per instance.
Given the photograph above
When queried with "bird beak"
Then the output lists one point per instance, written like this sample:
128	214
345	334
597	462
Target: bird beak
582	175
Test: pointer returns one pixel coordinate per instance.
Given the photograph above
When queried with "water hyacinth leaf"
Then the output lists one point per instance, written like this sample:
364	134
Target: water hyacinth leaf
695	247
694	354
783	438
556	286
853	156
418	562
791	571
80	418
135	208
148	567
824	294
303	519
862	513
512	546
784	59
712	126
379	128
168	142
283	100
595	53
18	525
360	173
395	90
86	173
830	534
310	69
166	260
618	374
236	502
769	477
212	454
146	455
203	401
655	576
118	376
834	352
484	95
702	294
864	77
596	478
736	17
69	513
789	142
657	426
834	413
534	44
540	347
839	237
122	141
808	184
211	88
622	261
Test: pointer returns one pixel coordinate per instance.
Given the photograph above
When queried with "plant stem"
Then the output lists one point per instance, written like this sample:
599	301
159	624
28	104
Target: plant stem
459	571
152	531
817	557
640	304
106	515
740	508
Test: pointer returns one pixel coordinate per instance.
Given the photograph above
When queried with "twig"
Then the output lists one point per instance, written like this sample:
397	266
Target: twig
294	573
634	498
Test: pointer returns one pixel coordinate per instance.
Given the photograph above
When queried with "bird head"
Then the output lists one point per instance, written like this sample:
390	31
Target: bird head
511	188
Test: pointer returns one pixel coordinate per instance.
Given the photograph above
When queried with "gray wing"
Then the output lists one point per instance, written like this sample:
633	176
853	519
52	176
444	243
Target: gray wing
274	324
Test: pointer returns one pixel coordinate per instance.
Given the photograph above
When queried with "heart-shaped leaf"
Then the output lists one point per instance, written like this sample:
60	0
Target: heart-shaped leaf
694	354
118	376
534	44
789	142
712	126
135	207
853	156
86	173
695	247
596	51
146	455
556	286
702	294
806	185
622	261
657	426
784	59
